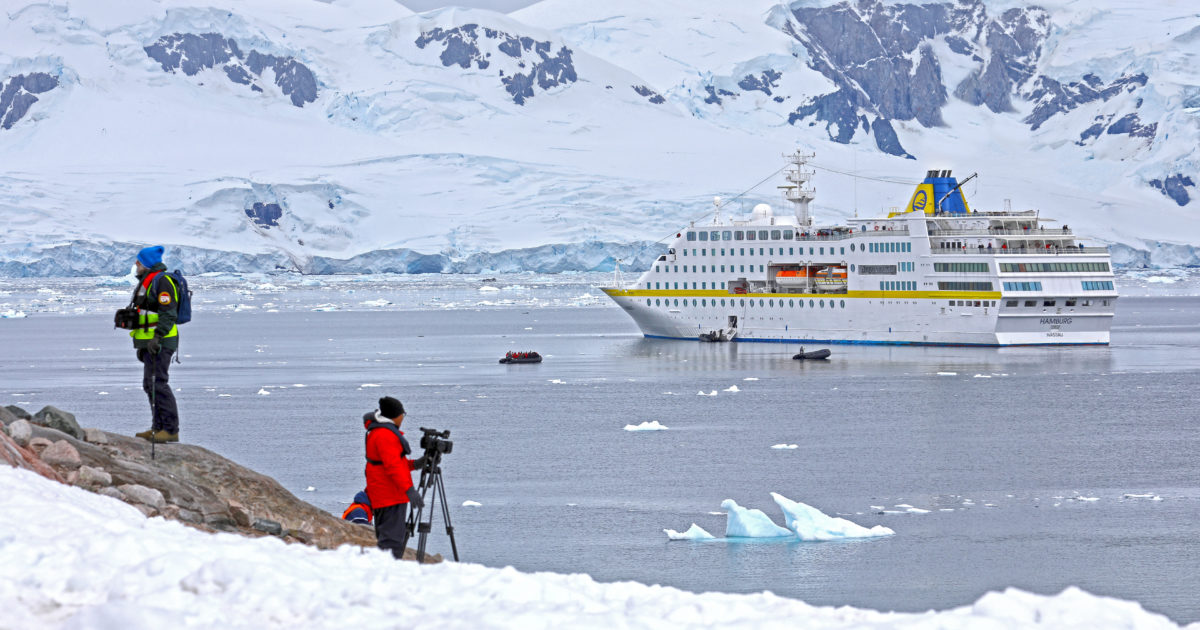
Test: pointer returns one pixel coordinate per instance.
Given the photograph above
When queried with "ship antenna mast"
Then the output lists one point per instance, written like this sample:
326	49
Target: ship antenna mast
798	192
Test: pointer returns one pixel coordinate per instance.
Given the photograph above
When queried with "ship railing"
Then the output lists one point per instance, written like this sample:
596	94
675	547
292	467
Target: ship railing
1023	251
1034	233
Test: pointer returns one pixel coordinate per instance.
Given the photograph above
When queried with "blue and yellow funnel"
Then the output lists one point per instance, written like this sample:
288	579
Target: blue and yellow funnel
933	189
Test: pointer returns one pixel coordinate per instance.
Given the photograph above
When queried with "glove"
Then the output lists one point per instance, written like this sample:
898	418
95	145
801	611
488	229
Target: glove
418	463
153	345
414	498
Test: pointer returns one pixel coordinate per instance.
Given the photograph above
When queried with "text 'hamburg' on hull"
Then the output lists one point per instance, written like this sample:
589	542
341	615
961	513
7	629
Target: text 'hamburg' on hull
934	273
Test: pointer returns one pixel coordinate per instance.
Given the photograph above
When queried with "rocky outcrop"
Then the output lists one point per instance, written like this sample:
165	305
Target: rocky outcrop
182	482
59	420
191	53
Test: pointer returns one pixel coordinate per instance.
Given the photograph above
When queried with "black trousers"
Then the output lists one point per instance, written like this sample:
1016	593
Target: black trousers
389	528
157	385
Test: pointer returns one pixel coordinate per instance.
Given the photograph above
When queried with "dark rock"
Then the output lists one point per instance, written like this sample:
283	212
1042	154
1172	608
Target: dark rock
7	417
712	98
653	96
1175	187
1091	132
1051	97
265	214
17	95
886	140
1131	124
58	420
192	53
268	526
763	83
838	109
18	412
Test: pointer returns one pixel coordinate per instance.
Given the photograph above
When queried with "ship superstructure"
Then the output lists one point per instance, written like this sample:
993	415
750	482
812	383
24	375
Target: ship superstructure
935	272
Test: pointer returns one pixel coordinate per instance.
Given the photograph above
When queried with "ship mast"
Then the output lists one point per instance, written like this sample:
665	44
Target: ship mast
798	192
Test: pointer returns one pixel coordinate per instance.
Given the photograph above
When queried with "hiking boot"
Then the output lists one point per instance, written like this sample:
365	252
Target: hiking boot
161	437
145	435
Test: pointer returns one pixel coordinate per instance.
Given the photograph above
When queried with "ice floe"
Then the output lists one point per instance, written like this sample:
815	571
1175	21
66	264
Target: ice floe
785	446
695	532
472	504
263	392
732	388
652	425
809	523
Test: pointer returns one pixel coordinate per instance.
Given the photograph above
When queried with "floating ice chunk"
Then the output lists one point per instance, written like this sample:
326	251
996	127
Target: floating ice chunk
88	349
224	395
750	378
101	393
13	314
299	385
263	392
1142	496
947	373
244	307
379	302
701	393
749	523
809	523
472	504
488	288
732	388
981	376
653	425
695	532
324	308
916	510
310	489
369	385
1088	499
785	446
558	381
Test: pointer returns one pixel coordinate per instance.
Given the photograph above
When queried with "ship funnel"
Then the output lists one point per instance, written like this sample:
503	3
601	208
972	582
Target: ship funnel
940	192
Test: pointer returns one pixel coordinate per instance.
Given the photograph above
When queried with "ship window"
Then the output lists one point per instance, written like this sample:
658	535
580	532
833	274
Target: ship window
743	301
1048	303
704	236
822	303
703	285
738	235
693	301
676	302
716	236
722	285
872	247
880	285
851	246
703	268
843	303
704	252
749	235
1070	303
722	268
791	303
676	285
1011	303
722	301
647	286
762	235
743	268
787	235
727	235
656	285
851	266
647	301
742	251
977	303
657	303
791	251
751	303
843	251
801	303
776	235
810	303
771	303
772	251
822	251
760	251
691	236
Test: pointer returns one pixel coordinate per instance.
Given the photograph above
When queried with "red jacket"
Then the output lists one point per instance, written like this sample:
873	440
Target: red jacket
389	480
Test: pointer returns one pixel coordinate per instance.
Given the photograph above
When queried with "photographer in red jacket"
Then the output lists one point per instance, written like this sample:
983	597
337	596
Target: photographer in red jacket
389	474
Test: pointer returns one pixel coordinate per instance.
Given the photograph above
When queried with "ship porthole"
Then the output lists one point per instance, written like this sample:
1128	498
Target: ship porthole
843	302
657	303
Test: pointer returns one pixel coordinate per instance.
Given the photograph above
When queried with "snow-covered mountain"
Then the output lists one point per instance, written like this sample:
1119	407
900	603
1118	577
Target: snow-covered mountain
356	135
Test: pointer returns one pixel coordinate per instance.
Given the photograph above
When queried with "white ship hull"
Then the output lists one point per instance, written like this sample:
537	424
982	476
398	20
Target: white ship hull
865	320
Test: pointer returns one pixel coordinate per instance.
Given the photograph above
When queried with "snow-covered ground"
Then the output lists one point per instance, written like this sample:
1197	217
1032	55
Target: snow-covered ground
73	559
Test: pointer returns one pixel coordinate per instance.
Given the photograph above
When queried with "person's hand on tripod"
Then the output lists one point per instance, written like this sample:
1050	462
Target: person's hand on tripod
414	498
418	463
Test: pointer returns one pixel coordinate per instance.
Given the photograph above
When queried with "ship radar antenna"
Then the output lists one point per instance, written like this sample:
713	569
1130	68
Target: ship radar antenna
617	274
716	211
798	192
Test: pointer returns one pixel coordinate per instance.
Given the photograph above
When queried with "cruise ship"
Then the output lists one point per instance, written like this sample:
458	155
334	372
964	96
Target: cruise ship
934	272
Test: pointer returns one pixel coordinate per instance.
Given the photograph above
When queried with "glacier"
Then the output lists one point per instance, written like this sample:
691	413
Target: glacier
358	136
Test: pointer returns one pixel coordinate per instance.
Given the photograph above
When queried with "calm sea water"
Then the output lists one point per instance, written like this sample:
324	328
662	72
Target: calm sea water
1025	458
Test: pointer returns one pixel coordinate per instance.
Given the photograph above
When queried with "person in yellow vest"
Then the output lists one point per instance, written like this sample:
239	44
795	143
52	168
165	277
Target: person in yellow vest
156	339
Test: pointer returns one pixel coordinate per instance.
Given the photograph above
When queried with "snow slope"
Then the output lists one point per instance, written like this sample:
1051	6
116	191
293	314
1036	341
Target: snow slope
128	572
302	134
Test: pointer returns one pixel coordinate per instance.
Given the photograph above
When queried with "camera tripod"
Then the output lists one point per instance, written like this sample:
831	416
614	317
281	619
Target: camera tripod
431	477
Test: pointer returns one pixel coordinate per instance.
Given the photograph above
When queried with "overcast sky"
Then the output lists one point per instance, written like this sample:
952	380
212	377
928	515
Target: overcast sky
503	6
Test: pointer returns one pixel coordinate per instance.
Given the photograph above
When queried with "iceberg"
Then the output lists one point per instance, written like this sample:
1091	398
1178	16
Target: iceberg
750	523
653	425
695	532
809	523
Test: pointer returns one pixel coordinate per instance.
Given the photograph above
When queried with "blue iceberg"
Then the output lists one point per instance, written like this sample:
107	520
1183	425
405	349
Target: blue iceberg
695	532
748	523
809	523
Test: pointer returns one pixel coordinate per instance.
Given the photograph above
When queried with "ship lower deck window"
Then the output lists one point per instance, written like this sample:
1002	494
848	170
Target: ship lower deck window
726	235
1022	286
657	303
1047	302
738	235
1097	285
960	267
691	236
842	303
787	235
1054	266
703	236
776	235
1011	303
964	286
762	235
1070	303
1030	303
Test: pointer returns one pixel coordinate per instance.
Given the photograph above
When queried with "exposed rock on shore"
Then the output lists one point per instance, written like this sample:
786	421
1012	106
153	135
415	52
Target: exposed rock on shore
185	483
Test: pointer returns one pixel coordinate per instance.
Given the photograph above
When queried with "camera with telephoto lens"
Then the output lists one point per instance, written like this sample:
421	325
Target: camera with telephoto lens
126	318
435	441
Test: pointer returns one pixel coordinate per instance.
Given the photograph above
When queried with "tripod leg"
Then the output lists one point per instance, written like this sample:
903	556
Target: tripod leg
446	518
423	529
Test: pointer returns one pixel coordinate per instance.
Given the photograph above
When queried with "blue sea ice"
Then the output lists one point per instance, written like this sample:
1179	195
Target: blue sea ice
809	523
695	532
748	523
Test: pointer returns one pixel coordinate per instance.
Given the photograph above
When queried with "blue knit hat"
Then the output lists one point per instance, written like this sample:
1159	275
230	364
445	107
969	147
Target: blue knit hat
361	497
150	256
